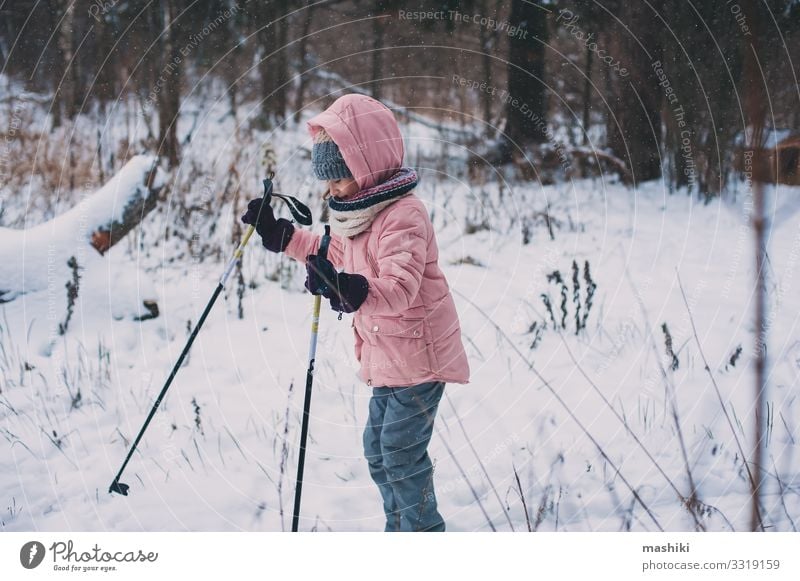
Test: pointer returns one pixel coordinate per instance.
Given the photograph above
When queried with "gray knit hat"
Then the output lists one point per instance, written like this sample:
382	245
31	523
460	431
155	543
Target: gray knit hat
326	159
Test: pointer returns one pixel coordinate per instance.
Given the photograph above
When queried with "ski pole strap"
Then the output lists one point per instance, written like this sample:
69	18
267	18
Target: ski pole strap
239	252
299	210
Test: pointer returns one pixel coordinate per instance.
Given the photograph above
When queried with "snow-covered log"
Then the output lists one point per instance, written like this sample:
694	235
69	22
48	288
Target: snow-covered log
51	256
134	192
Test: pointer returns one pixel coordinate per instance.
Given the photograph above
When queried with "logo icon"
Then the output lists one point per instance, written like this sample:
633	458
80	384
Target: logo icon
32	554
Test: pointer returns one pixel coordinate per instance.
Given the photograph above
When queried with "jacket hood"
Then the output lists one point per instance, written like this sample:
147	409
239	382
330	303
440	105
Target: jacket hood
368	137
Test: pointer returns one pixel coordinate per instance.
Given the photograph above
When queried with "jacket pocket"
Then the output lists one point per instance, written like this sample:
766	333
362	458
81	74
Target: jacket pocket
399	346
411	327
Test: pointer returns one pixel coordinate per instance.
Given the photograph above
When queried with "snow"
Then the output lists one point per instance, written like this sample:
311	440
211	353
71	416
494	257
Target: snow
771	137
34	261
61	236
231	465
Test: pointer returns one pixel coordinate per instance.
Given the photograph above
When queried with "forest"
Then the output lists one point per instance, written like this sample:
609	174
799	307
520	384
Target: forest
643	92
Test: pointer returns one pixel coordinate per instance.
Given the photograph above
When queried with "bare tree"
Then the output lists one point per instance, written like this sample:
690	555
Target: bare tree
489	40
526	108
381	15
634	120
63	14
273	65
755	108
168	81
307	17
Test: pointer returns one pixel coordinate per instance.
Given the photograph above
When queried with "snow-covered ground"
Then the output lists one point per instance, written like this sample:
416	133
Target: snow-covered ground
221	452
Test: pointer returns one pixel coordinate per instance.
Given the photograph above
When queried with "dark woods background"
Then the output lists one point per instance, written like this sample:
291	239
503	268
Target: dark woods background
643	89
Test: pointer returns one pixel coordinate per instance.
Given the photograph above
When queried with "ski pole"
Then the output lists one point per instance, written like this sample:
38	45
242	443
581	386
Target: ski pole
323	252
302	214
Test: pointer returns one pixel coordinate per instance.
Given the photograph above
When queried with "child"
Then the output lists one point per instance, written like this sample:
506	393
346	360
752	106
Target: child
405	325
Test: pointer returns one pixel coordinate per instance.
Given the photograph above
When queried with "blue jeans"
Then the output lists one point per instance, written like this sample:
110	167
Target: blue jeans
396	440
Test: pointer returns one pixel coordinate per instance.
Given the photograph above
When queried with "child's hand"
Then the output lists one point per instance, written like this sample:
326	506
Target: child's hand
275	234
345	291
321	275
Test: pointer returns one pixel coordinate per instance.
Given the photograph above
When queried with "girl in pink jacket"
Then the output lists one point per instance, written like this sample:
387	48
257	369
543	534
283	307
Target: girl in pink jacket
382	266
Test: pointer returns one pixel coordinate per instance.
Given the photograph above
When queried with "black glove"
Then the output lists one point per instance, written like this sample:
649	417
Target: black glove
345	291
275	234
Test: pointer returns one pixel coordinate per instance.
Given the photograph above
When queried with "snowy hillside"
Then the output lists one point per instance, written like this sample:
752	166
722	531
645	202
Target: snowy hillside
615	414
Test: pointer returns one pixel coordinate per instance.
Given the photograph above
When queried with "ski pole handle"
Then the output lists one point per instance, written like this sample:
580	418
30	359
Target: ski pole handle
239	252
325	242
323	252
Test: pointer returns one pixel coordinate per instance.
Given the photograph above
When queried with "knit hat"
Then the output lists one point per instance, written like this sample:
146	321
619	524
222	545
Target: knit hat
326	159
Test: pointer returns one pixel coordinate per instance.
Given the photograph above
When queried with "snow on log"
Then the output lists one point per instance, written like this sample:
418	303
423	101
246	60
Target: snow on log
51	255
122	203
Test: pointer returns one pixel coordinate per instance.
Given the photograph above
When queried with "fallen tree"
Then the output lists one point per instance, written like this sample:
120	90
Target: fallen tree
50	256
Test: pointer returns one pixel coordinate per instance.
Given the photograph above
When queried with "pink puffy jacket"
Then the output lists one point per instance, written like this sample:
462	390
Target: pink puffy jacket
407	330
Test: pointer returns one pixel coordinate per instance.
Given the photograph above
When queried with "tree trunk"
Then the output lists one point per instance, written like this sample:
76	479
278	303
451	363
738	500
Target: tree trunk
61	92
273	64
99	221
756	101
282	81
299	98
526	107
703	115
488	42
587	96
634	120
169	95
104	34
377	56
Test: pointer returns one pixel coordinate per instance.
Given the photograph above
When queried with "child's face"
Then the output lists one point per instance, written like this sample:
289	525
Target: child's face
342	188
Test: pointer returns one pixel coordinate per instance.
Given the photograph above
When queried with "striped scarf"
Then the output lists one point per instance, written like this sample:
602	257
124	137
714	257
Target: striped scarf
353	215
